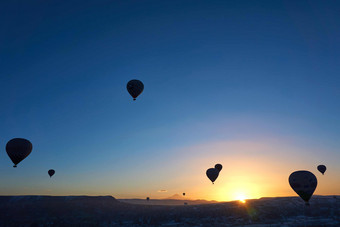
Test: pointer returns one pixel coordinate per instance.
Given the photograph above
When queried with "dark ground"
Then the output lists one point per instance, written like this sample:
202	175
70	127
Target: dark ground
107	211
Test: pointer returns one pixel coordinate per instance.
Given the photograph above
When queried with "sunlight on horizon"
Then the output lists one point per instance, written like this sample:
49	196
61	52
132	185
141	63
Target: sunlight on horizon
241	197
251	170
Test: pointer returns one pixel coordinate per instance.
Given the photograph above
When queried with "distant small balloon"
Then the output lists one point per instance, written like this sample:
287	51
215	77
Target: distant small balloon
18	149
218	167
51	172
322	169
212	174
183	193
304	184
147	198
135	88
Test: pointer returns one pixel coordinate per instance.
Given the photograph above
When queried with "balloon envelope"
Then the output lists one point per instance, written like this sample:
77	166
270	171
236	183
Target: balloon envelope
218	167
303	183
18	149
212	174
51	172
135	88
322	169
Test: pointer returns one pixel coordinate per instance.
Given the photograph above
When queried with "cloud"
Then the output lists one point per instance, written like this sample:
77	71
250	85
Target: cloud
162	190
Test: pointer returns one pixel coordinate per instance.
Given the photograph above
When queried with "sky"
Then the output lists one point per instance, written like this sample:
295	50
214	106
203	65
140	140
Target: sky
253	85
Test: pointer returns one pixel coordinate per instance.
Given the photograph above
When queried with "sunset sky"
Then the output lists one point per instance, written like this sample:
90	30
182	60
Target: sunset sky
253	85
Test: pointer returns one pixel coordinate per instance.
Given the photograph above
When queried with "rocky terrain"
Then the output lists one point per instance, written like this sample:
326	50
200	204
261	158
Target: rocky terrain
107	211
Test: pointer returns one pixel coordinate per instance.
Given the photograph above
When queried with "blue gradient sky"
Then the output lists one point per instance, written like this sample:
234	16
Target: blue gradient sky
253	85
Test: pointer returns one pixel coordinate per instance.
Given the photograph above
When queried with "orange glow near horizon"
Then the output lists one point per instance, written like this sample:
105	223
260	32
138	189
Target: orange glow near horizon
256	170
241	197
251	170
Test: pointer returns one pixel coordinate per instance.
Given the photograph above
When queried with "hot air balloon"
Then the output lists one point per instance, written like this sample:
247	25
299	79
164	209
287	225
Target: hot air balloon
322	169
218	167
212	174
18	149
135	88
147	198
51	172
304	184
183	193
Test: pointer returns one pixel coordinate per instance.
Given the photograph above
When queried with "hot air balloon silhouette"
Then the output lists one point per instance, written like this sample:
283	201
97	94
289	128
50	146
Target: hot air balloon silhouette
304	184
135	88
18	149
51	172
183	193
322	169
218	167
212	174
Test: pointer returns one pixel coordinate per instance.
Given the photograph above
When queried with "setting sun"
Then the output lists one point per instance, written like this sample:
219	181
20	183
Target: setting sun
242	200
241	197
